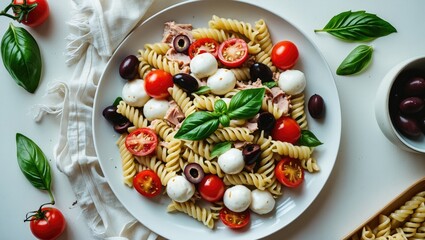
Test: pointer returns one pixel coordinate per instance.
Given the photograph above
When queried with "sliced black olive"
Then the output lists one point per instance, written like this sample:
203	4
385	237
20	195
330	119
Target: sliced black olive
181	43
261	71
186	82
194	173
129	67
251	153
122	127
266	122
110	114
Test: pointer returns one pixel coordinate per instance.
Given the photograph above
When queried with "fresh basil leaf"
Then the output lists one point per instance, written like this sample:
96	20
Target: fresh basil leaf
308	139
220	106
357	60
21	57
220	148
270	84
357	26
33	163
203	90
198	126
224	120
246	103
117	101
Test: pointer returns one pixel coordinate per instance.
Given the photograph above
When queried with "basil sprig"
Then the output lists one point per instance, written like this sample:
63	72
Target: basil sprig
33	164
358	59
199	125
357	26
21	57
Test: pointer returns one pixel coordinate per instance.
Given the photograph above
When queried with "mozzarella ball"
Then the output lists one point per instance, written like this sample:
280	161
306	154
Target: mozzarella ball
292	81
134	94
203	65
222	82
237	198
180	189
262	201
155	109
231	161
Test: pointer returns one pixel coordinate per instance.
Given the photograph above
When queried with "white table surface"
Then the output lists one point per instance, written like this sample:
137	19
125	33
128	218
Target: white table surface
369	171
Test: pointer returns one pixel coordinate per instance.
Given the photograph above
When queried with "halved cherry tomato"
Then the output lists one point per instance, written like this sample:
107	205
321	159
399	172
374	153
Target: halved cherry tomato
286	129
235	220
141	142
203	45
233	52
211	188
48	223
157	83
147	183
284	55
36	16
289	172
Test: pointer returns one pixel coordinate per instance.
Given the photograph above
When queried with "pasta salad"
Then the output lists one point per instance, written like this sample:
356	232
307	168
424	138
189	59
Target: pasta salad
215	119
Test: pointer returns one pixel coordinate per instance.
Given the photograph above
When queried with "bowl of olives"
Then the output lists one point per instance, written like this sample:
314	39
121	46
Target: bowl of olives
400	105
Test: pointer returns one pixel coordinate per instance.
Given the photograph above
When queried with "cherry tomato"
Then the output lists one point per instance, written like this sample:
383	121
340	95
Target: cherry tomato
48	223
233	52
147	183
286	129
211	188
235	220
38	15
284	55
157	83
203	45
141	142
289	172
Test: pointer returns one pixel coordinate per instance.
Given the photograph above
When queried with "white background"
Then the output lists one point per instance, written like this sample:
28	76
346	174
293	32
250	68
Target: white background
369	172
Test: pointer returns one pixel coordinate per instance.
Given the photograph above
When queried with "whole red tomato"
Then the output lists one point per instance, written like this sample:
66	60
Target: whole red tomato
36	16
48	223
284	55
211	188
286	129
157	83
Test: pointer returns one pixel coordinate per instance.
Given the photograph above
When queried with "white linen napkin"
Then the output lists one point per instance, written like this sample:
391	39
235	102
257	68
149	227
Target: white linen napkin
97	28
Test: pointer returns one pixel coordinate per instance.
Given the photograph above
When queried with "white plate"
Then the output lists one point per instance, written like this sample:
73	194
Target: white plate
152	213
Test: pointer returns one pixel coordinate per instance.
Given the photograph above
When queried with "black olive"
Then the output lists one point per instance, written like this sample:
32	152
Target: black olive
316	106
266	121
411	105
414	86
122	127
186	82
181	43
194	173
261	71
129	67
251	153
407	126
110	114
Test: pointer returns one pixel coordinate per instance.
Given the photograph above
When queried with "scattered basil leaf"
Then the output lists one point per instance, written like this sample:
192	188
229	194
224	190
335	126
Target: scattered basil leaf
21	57
198	126
117	101
220	106
203	90
357	26
224	120
357	60
33	163
271	84
220	148
246	103
308	139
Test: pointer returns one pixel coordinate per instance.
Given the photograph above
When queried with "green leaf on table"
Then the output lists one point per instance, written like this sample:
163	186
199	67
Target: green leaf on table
357	26
357	60
21	57
33	163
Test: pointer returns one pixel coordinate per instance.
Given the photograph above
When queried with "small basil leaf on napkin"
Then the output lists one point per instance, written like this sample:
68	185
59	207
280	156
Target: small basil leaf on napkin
33	164
357	26
220	148
358	59
21	57
246	103
198	126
